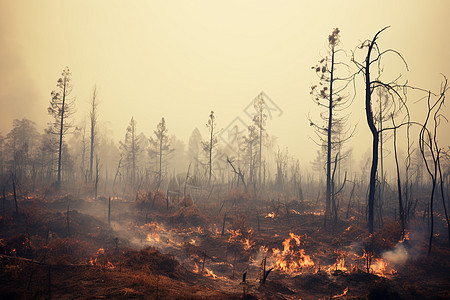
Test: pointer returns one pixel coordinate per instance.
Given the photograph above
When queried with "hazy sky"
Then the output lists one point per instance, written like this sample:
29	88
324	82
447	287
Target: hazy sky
181	59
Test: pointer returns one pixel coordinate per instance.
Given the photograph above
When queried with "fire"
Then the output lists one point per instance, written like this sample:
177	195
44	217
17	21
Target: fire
270	215
206	271
196	269
101	260
210	273
289	260
234	235
153	237
339	265
344	292
348	228
248	244
378	267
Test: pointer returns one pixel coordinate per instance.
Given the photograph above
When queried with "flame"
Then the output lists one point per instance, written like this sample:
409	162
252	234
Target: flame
210	273
378	267
100	259
348	228
338	265
235	234
153	237
405	237
344	292
196	269
289	260
270	215
248	244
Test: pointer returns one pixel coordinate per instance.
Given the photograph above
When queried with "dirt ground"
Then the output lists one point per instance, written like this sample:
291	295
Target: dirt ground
60	246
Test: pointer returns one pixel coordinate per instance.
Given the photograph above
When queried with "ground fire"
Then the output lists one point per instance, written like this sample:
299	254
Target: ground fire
154	251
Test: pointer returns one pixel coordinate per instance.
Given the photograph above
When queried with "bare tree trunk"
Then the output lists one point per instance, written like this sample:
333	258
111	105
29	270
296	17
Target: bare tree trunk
399	185
58	183
330	124
93	117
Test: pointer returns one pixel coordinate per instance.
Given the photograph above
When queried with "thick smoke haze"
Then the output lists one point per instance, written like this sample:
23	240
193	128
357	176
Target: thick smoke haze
180	60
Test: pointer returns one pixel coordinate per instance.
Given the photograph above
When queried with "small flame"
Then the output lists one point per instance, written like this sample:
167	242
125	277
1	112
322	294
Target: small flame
153	237
270	215
248	244
210	273
344	292
339	265
196	269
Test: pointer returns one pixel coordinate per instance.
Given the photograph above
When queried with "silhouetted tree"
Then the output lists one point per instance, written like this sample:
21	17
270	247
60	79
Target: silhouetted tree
61	108
327	94
195	143
93	115
22	145
250	144
428	145
259	119
160	146
367	69
208	146
131	148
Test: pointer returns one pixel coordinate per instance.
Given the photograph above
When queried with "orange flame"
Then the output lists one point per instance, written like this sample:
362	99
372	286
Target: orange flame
344	292
289	260
270	215
248	244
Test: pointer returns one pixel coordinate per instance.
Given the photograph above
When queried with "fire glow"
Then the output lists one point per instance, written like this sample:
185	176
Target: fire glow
289	260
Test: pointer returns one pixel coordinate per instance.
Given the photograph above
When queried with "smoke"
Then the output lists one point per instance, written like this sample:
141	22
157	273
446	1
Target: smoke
397	256
17	91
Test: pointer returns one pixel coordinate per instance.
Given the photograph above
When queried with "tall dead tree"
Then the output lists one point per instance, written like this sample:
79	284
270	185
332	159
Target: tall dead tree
249	144
208	146
259	119
331	130
93	114
61	108
372	64
431	152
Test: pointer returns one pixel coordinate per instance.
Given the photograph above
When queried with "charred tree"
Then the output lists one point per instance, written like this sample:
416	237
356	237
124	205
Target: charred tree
372	58
431	152
331	132
61	108
93	114
208	146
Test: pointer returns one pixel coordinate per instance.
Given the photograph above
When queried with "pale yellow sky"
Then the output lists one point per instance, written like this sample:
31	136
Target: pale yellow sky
181	59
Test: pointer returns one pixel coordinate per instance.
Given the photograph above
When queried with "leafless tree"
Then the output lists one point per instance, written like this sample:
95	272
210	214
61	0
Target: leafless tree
249	144
429	146
93	115
259	119
370	65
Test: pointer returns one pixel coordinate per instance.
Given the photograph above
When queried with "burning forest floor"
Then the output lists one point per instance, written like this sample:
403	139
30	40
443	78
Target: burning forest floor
61	246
